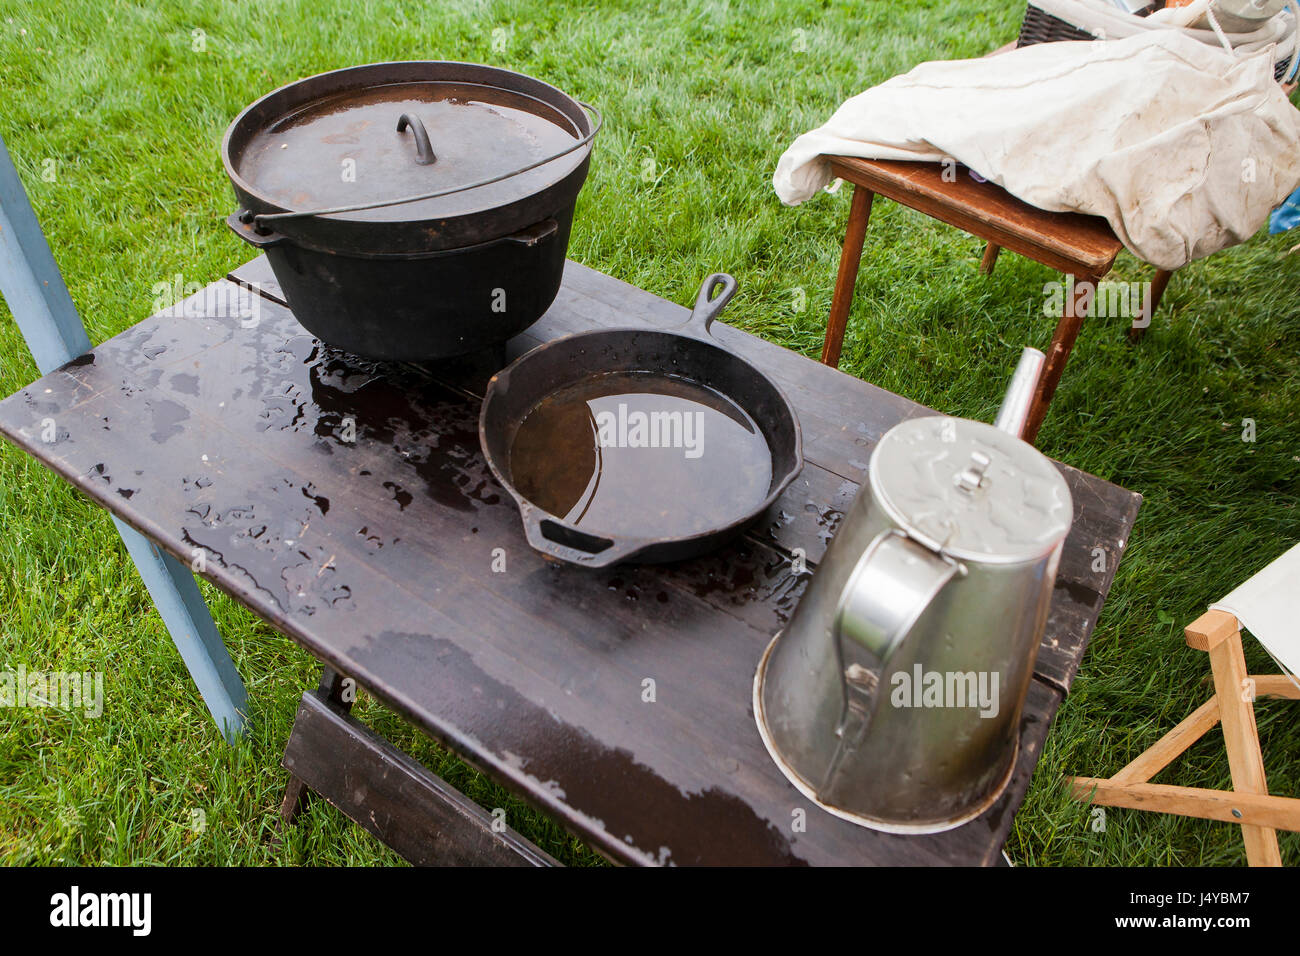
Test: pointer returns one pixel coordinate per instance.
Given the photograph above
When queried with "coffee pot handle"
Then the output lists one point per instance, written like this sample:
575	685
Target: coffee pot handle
888	590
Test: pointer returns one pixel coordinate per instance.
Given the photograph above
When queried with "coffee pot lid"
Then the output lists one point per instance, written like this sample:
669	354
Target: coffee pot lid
971	489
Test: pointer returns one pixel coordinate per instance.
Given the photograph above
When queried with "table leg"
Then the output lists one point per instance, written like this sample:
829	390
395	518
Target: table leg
297	793
990	258
1158	285
37	296
1067	330
185	614
850	259
388	793
295	799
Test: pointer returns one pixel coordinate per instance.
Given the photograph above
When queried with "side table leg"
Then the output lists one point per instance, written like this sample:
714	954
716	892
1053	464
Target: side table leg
850	259
1067	330
990	258
1158	285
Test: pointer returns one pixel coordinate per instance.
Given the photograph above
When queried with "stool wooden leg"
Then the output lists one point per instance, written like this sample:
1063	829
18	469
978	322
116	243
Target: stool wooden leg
1248	804
990	258
850	259
1158	285
1241	737
1067	330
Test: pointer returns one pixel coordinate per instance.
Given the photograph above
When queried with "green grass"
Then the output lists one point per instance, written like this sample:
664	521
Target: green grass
712	92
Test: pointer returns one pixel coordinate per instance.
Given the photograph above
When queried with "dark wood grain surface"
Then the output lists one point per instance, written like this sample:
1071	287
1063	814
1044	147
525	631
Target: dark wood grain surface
421	816
228	444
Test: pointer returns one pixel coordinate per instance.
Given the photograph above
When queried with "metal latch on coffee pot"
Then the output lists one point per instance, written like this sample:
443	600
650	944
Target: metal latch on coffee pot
893	696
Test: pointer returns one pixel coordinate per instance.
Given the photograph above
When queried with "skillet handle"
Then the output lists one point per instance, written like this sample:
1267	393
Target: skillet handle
707	306
557	540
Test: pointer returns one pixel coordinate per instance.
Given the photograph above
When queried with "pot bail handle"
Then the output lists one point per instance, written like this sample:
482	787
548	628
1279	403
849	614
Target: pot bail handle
423	148
708	306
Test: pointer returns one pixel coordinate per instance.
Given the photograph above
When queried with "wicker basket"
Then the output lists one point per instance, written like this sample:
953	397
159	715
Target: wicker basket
1042	27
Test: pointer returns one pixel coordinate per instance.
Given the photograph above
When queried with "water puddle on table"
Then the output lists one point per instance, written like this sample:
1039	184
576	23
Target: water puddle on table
640	454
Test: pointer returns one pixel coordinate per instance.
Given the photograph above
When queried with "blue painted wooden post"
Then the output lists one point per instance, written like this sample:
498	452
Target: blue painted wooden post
35	292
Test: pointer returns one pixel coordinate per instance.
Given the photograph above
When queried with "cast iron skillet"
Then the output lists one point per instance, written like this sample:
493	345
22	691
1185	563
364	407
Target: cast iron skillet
689	353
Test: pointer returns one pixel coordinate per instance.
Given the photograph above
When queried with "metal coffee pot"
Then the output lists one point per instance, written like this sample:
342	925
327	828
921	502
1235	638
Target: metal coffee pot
893	697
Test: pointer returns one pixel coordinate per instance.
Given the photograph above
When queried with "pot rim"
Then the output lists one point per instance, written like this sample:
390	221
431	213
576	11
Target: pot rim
520	84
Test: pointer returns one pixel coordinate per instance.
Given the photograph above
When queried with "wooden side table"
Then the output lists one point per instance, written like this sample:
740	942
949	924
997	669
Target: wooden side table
1081	246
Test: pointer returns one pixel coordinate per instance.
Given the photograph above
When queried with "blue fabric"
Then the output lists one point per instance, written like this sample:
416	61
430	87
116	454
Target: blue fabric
1287	215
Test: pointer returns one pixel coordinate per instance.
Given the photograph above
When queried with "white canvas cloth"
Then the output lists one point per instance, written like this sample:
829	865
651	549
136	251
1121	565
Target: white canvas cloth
1181	146
1268	605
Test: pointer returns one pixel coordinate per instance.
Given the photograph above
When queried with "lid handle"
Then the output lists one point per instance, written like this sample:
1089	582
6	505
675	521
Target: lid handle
423	148
1014	412
969	479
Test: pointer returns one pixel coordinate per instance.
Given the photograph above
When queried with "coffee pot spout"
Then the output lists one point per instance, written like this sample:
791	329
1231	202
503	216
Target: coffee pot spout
1014	413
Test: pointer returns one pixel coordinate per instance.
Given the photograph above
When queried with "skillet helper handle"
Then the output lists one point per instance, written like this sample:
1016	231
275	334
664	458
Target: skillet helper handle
709	306
557	540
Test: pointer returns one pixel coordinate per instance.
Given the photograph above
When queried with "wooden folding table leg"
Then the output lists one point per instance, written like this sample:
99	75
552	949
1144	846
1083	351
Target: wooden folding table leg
1067	330
850	259
297	793
38	298
179	602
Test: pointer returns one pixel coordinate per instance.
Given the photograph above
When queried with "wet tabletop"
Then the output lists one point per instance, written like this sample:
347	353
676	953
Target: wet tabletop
348	503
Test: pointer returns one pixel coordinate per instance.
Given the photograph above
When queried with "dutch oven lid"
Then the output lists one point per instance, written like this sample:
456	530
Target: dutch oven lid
972	489
393	130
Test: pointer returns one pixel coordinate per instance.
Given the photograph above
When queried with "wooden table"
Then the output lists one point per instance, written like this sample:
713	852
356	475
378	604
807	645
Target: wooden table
229	447
1084	247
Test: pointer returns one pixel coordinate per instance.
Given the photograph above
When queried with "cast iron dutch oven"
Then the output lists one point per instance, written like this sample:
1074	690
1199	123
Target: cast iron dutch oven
412	210
569	429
